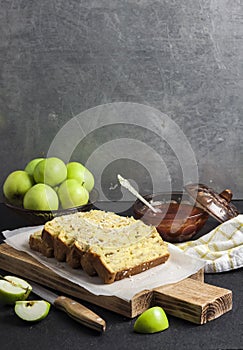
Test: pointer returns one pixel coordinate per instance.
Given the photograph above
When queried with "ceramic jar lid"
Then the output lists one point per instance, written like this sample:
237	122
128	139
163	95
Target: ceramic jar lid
216	205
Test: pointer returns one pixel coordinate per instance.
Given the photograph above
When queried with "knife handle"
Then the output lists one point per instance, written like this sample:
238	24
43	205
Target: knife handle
80	313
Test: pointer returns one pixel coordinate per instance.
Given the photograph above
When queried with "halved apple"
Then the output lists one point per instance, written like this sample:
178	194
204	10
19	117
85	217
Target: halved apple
12	289
32	310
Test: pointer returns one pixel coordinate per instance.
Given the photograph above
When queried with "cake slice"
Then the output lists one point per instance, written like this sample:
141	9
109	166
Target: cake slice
37	243
126	256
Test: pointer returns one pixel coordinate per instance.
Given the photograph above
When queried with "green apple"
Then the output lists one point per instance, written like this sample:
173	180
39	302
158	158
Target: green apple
72	194
32	310
16	185
51	171
151	321
79	172
31	165
41	197
12	289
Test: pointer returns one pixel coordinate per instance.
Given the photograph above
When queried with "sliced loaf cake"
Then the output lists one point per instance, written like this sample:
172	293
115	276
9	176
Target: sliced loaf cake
103	243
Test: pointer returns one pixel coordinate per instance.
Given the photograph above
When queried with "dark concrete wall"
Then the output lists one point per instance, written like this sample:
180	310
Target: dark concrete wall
182	57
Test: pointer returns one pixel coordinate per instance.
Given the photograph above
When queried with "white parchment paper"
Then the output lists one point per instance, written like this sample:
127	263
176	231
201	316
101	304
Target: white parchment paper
178	267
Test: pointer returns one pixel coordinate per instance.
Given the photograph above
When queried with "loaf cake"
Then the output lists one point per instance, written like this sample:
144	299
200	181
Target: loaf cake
101	243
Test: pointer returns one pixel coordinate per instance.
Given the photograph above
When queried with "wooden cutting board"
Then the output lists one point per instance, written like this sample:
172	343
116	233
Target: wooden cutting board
190	299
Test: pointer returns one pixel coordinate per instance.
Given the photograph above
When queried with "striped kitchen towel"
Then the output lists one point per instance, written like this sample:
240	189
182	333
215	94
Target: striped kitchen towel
222	248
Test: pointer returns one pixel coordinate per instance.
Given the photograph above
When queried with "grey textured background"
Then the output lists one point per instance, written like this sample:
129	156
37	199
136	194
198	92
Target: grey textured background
183	57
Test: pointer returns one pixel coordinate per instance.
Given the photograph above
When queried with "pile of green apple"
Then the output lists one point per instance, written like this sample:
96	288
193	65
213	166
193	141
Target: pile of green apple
49	184
15	291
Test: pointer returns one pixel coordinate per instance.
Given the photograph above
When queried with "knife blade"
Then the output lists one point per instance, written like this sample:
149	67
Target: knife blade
72	308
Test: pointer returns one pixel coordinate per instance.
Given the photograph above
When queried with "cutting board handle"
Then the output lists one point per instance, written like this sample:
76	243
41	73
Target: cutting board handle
193	300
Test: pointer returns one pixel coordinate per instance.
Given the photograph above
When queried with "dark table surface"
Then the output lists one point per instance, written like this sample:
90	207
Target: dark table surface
58	331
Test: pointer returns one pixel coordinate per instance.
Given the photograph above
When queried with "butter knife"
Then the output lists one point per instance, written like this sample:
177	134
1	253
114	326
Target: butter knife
72	308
